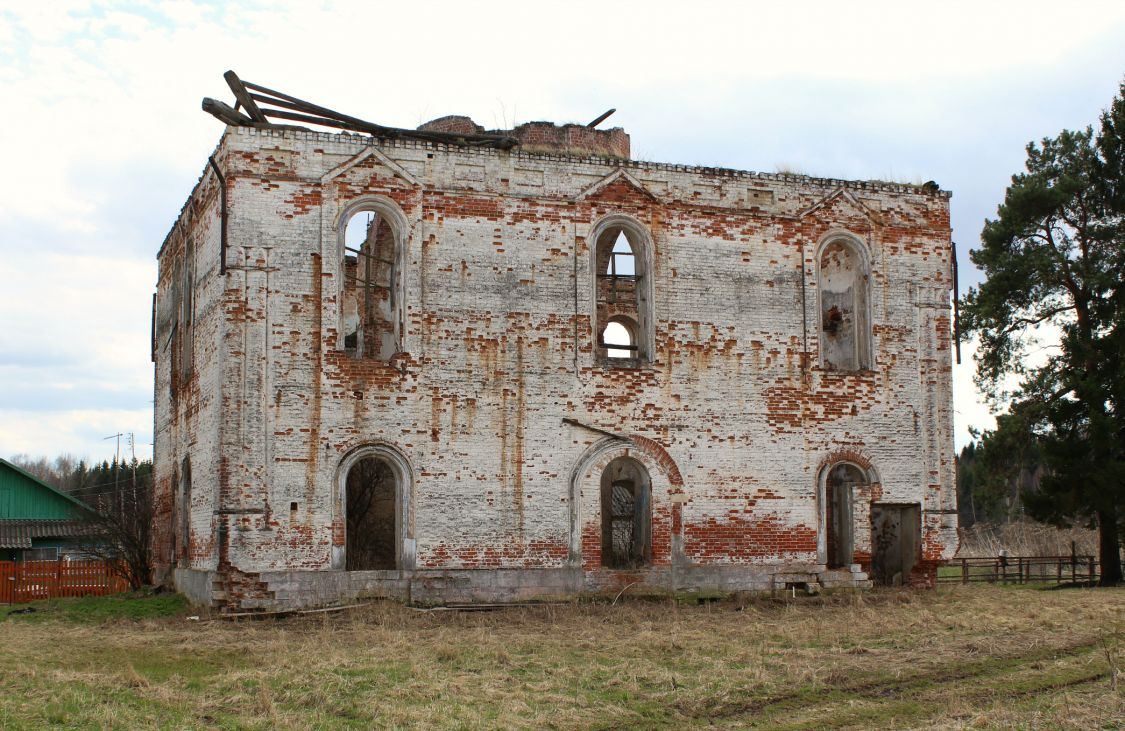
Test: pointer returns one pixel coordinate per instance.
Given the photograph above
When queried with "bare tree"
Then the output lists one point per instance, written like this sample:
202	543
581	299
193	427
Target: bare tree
65	472
121	497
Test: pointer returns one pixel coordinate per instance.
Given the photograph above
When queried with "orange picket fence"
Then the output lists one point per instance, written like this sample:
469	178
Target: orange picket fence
27	581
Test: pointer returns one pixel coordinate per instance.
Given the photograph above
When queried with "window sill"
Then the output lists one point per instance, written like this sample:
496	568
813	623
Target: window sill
633	364
843	373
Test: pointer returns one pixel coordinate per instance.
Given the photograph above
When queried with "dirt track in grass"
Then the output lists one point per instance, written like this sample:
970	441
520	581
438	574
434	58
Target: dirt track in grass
972	657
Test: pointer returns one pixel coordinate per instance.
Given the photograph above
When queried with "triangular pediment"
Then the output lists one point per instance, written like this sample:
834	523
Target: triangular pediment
841	200
376	157
618	183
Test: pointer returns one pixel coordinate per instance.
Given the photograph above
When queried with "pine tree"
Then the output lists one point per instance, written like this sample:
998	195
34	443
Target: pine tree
1055	257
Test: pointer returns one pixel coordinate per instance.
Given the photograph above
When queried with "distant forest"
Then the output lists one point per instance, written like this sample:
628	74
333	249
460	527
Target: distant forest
87	482
991	492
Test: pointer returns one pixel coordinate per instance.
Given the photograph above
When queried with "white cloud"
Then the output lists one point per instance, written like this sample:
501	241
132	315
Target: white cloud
81	433
969	406
109	138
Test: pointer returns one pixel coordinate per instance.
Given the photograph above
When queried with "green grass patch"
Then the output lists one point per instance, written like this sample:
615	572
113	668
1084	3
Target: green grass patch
135	606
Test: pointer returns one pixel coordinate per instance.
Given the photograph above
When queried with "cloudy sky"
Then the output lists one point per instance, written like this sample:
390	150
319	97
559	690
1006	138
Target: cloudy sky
104	139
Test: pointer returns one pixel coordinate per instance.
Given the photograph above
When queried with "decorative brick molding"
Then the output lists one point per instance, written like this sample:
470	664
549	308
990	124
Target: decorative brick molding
845	455
660	456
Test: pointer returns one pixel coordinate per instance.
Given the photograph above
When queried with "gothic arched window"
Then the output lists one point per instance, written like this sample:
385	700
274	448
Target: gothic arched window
622	292
845	328
372	282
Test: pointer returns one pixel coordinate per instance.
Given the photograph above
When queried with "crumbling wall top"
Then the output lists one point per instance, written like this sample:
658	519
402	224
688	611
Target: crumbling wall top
452	124
572	139
568	139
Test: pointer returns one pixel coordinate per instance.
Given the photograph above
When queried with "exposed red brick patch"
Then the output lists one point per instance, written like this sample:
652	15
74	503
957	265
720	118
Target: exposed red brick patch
734	538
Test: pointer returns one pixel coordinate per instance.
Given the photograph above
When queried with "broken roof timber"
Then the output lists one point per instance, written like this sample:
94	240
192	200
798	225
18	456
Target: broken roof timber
299	110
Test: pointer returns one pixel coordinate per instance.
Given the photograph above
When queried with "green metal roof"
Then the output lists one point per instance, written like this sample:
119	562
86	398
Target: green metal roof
26	497
24	534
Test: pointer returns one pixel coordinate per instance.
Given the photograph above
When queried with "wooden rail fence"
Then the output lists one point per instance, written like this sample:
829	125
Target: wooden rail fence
27	581
1020	570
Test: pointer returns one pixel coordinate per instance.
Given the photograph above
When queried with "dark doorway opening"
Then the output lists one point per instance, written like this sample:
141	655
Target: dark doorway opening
896	537
839	496
184	526
372	494
626	515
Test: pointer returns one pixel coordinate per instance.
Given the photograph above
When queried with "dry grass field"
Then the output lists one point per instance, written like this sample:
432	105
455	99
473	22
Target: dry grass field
958	657
1025	538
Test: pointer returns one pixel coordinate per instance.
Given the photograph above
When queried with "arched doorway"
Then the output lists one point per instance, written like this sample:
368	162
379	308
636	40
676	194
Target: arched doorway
626	506
840	488
372	494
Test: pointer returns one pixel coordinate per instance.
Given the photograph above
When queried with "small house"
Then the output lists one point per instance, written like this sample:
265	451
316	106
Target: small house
37	521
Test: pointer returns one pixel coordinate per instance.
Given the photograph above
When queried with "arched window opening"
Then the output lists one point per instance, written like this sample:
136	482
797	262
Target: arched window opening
369	278
619	339
626	515
839	520
622	260
372	494
621	294
845	330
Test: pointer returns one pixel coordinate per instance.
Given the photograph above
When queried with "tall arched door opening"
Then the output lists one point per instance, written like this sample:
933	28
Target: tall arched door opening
626	503
839	520
372	493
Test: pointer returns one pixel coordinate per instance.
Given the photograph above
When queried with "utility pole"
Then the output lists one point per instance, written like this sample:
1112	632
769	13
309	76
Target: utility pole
117	454
133	450
116	472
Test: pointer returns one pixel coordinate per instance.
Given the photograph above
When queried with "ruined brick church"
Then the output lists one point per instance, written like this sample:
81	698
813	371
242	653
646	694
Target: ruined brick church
450	364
